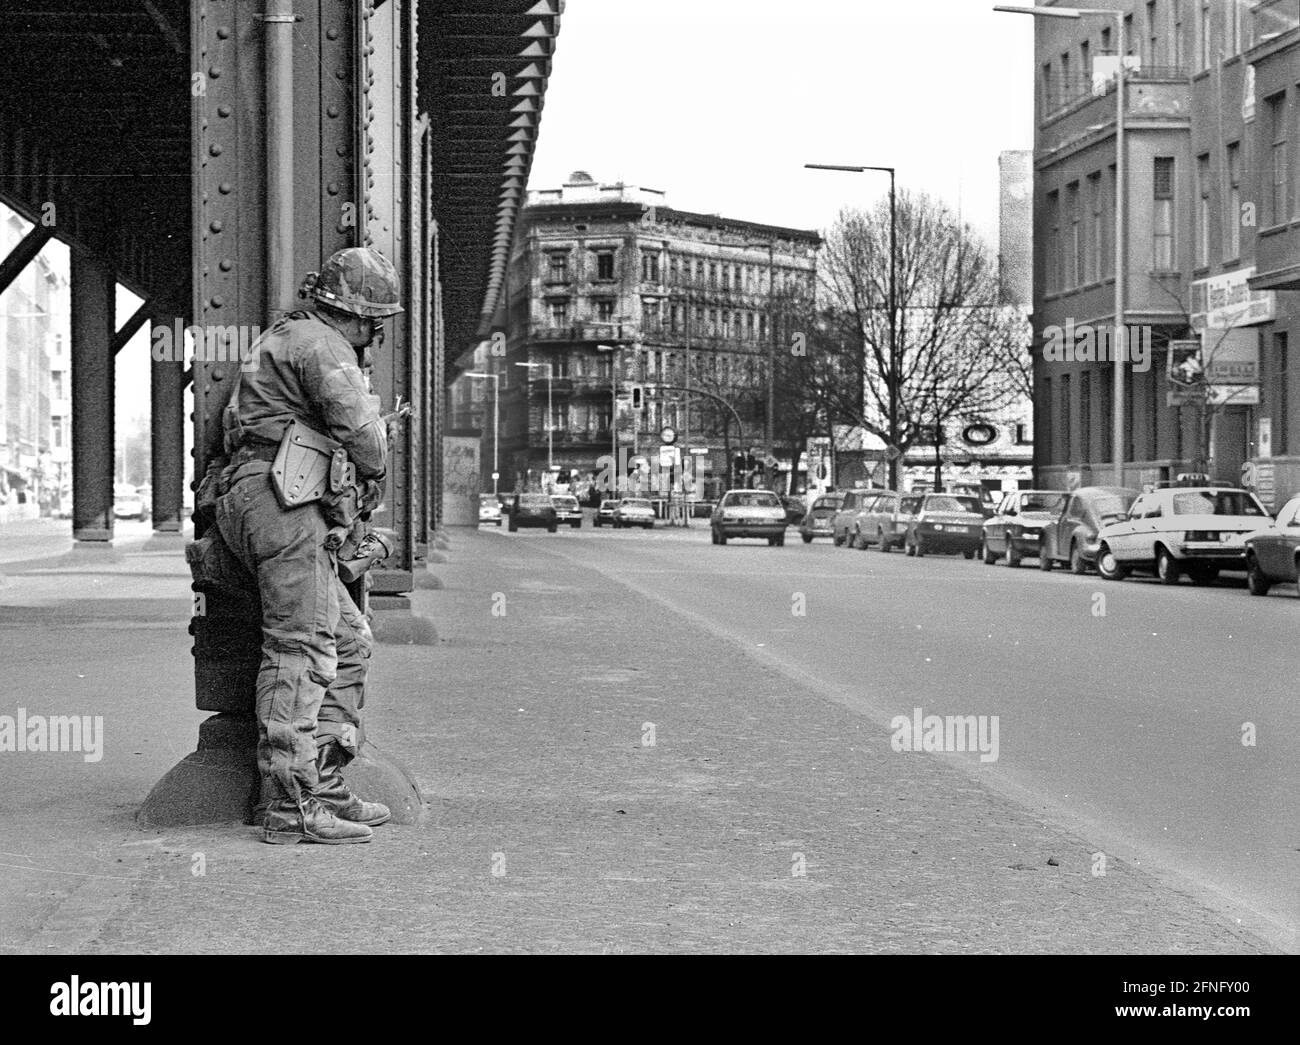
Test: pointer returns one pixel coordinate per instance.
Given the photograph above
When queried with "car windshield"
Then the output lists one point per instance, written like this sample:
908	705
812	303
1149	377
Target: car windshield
1216	502
535	500
609	504
1111	507
487	498
950	503
565	502
828	502
1042	502
752	499
633	502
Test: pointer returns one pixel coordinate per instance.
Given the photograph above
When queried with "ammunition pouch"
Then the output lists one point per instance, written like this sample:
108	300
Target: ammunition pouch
301	472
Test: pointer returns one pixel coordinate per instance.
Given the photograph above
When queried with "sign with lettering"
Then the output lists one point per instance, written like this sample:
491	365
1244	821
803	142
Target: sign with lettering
1225	301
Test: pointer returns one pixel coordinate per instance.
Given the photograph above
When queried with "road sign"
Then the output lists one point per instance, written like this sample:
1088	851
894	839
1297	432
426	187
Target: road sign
699	451
669	457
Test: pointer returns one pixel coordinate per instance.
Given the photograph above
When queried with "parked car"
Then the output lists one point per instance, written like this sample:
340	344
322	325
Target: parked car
567	509
951	523
817	520
1072	536
605	513
749	513
878	521
507	502
843	520
1015	530
127	502
1273	555
1198	531
532	509
634	511
489	509
795	510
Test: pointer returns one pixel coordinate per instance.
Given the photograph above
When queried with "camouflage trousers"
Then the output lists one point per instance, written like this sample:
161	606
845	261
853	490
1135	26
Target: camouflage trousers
315	642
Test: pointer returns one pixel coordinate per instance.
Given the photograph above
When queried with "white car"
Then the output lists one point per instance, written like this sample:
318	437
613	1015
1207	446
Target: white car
1196	530
634	511
567	509
489	509
750	513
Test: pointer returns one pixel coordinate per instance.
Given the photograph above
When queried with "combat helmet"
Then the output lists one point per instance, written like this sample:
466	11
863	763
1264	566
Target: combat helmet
358	280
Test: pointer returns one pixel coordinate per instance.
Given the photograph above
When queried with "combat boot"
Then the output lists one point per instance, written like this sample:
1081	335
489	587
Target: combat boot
333	792
286	823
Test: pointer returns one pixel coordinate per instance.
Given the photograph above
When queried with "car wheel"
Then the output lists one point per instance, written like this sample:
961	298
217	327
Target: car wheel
969	553
514	526
722	537
576	524
881	543
858	542
1110	568
918	546
836	539
780	541
1077	563
552	527
1167	567
1013	556
1256	580
986	554
1045	562
807	538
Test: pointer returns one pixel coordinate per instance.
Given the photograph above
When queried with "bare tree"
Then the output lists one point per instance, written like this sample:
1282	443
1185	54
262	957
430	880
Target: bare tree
950	352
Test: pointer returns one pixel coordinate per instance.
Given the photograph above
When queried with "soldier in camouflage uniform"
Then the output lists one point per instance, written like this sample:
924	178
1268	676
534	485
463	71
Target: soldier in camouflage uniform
316	643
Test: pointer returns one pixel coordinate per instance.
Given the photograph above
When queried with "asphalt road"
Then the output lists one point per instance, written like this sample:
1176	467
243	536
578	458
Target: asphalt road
1125	710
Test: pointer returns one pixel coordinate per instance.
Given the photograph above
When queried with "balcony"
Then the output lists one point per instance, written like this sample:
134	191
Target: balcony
612	332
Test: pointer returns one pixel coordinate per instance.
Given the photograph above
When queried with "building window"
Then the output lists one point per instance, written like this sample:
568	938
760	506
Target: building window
1176	35
1049	95
1130	41
1112	199
1054	259
1232	215
1085	415
1205	46
650	267
713	322
1203	210
1105	39
1151	52
1277	159
605	310
1107	415
1067	88
1162	225
1052	425
713	274
559	313
605	264
1074	274
1063	425
1096	230
1085	61
1281	401
558	268
56	385
56	431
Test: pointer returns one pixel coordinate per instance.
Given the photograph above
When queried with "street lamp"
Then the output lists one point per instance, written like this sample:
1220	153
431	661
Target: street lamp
894	380
613	413
1121	338
550	444
496	420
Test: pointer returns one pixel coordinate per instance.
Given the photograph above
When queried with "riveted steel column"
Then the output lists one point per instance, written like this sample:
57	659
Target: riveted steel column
93	294
167	405
280	282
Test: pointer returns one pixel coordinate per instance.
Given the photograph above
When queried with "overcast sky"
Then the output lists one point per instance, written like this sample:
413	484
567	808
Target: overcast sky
720	103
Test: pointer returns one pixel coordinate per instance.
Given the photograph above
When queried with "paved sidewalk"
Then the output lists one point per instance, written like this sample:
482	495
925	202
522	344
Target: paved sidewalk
553	825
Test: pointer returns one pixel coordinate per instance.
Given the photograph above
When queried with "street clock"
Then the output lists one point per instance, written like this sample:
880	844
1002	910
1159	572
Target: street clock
668	434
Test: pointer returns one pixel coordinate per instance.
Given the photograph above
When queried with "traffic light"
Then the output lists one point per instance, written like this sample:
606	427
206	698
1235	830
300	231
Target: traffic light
638	397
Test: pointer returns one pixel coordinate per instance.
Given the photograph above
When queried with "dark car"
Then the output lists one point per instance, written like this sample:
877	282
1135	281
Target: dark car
817	521
1072	536
1015	531
605	513
945	522
1272	556
533	509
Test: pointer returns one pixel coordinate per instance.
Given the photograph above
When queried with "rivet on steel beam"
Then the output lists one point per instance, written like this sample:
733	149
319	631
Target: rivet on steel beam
331	33
215	226
217	373
225	264
223	110
340	74
216	301
332	188
225	188
332	112
215	72
214	149
223	32
341	150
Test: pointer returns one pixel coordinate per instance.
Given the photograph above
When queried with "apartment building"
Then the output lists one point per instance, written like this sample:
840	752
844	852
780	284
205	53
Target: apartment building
630	317
1209	251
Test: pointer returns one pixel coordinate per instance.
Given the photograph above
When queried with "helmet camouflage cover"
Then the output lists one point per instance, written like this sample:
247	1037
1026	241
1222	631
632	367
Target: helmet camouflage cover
358	280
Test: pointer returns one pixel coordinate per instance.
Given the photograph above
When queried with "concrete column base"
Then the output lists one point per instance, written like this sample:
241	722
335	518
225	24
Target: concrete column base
164	541
218	782
393	623
426	581
437	558
90	552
